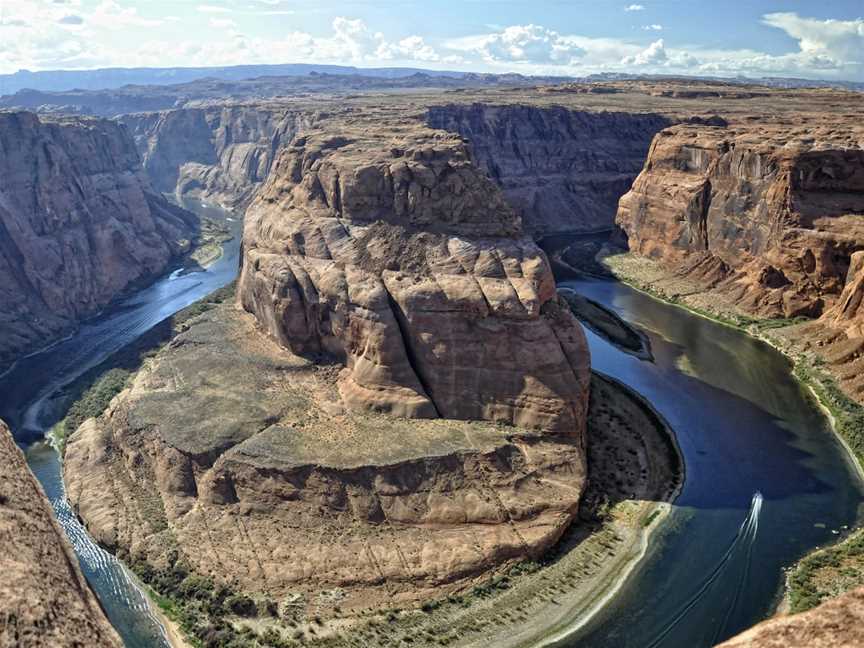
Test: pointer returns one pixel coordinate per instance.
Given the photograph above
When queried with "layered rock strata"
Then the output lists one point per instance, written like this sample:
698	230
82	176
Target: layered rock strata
402	259
768	214
216	153
45	599
79	223
562	169
359	444
238	458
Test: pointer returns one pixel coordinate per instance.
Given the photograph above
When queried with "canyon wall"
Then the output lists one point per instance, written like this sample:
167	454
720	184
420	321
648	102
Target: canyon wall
404	260
562	169
768	214
79	223
220	153
45	599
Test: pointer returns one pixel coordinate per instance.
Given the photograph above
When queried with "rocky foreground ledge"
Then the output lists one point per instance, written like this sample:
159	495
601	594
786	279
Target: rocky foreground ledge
44	599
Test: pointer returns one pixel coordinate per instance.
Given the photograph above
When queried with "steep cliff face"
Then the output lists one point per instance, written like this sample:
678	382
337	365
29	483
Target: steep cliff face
563	170
45	599
78	224
219	153
400	297
768	214
400	257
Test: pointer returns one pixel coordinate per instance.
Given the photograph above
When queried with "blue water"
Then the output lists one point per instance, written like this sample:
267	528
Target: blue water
766	480
33	399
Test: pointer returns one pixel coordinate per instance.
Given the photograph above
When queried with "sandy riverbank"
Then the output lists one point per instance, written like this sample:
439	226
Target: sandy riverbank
651	278
537	603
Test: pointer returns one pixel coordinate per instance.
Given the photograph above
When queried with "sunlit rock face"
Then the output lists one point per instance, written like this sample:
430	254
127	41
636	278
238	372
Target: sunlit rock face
769	214
400	257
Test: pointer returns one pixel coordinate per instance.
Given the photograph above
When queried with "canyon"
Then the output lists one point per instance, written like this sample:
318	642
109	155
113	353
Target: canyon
79	224
395	405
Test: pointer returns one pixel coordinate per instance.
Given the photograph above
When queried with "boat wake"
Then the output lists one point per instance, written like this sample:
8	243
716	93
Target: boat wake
741	546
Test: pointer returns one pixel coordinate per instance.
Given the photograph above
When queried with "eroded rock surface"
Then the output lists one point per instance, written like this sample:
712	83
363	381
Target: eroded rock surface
563	170
402	258
838	623
239	456
216	153
401	409
79	223
44	599
766	213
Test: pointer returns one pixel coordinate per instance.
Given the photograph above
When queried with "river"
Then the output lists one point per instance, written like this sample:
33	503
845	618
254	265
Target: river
766	481
34	399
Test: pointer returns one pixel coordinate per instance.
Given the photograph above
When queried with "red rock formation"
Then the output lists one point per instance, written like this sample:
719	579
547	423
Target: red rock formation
44	599
770	212
218	153
838	623
400	257
78	224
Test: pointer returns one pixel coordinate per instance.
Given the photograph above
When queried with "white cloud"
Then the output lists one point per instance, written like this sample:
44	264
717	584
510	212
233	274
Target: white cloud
522	44
654	54
653	27
222	23
204	8
842	40
634	7
412	48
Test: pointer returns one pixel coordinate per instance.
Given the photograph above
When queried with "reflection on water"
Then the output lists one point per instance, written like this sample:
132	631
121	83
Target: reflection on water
766	480
34	399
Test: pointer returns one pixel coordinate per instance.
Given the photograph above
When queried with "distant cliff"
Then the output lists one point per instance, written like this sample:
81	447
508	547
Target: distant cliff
563	170
79	223
765	213
219	153
45	599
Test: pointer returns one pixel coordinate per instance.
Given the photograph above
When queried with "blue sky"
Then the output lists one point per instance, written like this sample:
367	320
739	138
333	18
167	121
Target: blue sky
567	37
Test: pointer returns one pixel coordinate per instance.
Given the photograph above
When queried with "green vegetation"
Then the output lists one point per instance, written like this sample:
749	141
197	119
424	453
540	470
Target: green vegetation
840	567
647	521
90	394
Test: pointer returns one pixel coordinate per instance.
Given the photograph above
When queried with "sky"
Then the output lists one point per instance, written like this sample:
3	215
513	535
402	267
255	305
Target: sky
811	39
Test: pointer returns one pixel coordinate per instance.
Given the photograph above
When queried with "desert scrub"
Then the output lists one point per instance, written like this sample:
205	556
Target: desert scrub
91	403
838	568
89	395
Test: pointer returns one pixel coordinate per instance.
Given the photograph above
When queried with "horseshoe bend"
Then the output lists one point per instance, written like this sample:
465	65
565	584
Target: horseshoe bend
390	427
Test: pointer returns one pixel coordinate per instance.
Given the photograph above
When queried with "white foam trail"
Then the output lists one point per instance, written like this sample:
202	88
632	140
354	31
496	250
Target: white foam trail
746	534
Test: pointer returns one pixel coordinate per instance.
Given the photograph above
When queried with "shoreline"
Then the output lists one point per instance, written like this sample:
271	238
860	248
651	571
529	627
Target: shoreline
614	549
784	604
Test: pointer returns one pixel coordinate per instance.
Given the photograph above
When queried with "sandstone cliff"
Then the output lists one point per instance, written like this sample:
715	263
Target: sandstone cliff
393	281
838	623
562	169
45	599
216	153
399	256
79	223
766	213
